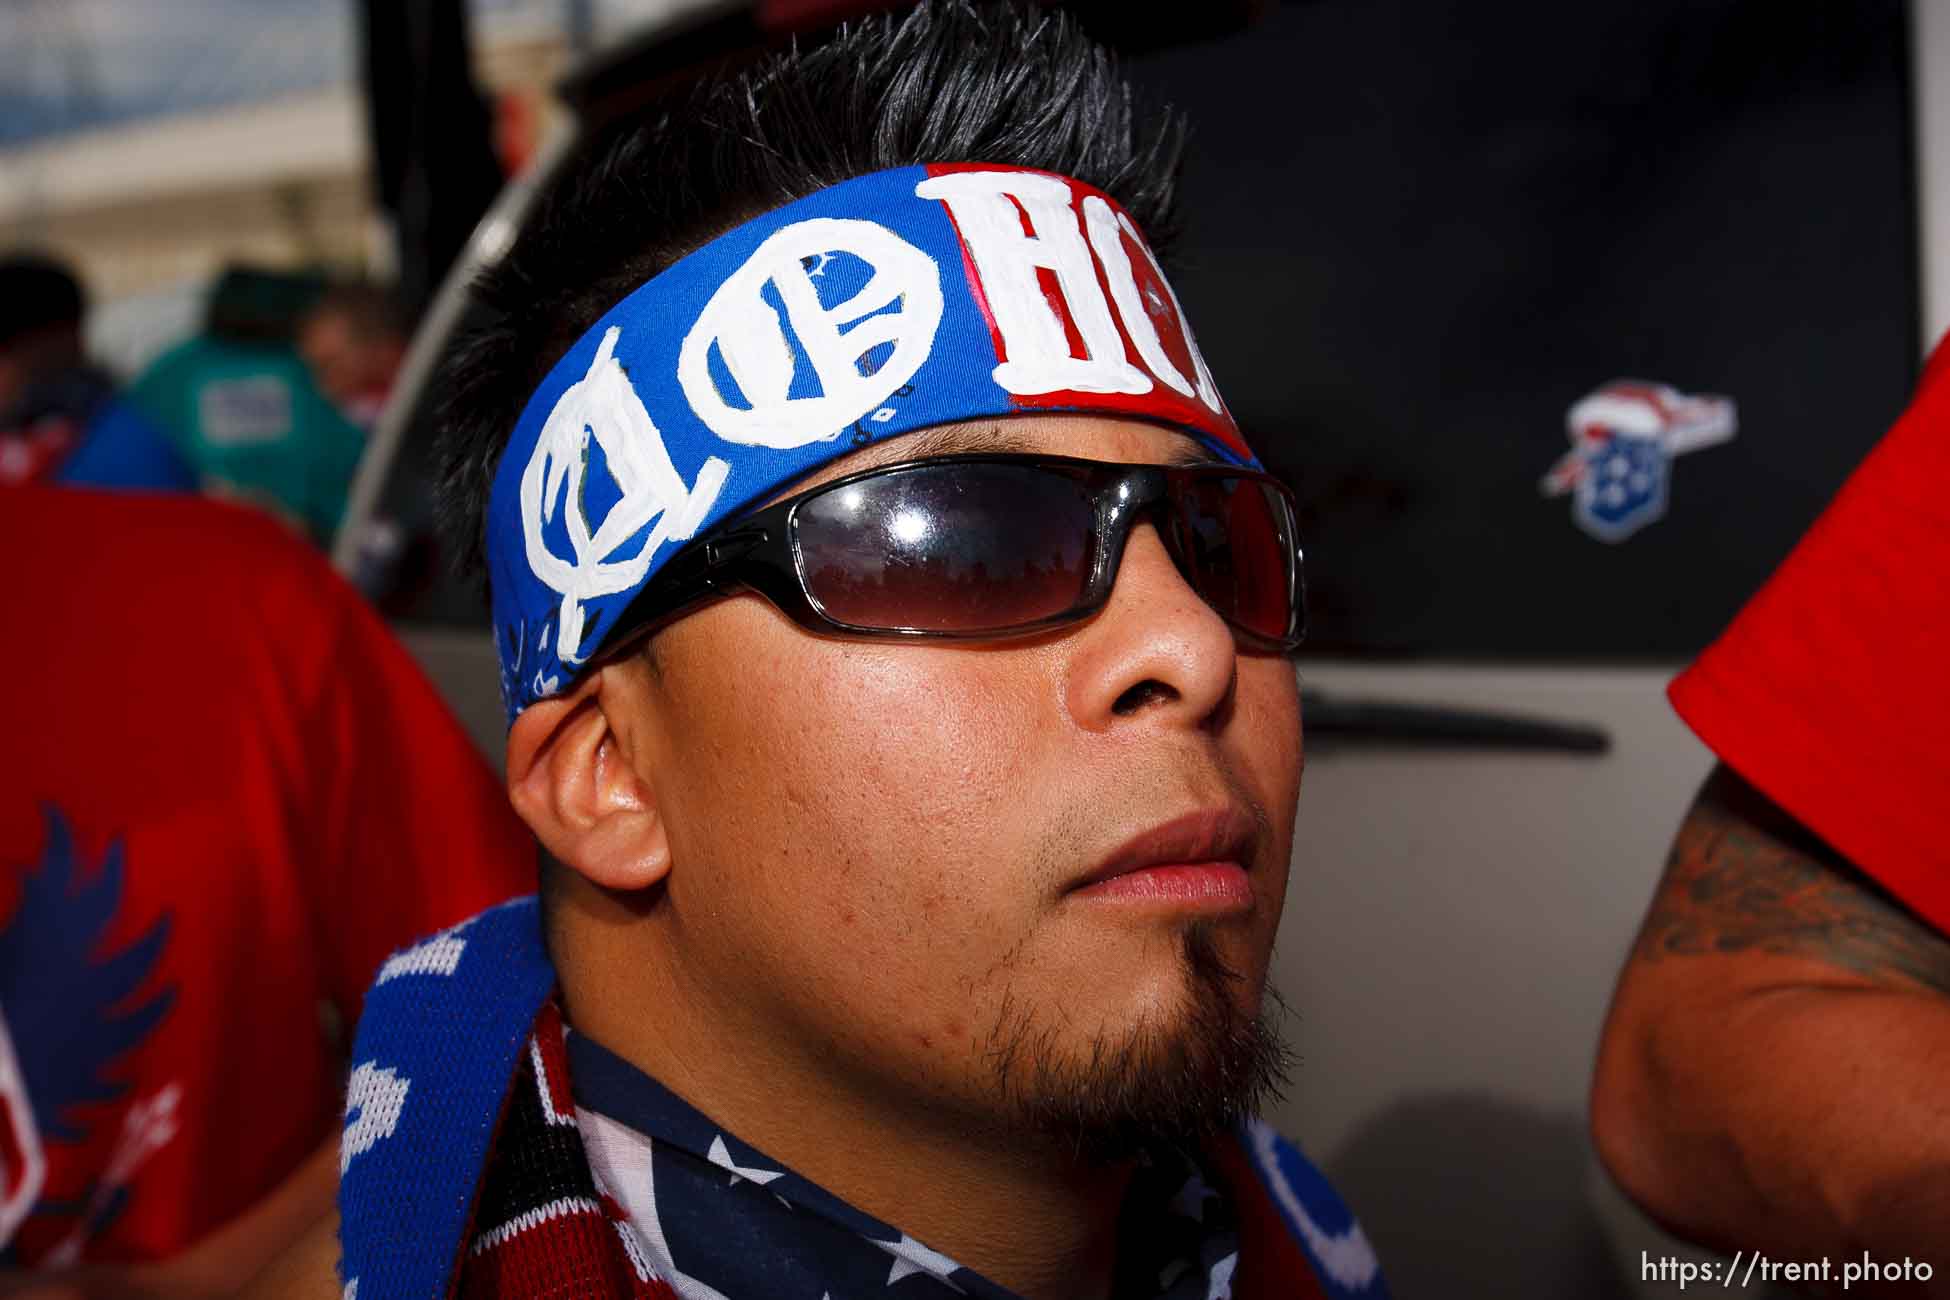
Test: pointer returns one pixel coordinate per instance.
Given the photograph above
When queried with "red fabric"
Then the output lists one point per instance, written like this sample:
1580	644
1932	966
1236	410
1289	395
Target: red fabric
1271	1264
194	690
572	1254
557	1234
1830	692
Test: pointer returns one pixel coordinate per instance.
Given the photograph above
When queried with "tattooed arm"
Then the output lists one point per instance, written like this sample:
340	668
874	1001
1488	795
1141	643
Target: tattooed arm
1775	1070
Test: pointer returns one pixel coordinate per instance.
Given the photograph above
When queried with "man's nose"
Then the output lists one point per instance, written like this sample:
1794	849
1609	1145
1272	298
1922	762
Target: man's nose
1155	650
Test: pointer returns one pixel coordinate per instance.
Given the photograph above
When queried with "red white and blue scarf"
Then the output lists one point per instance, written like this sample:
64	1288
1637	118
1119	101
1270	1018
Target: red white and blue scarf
488	1152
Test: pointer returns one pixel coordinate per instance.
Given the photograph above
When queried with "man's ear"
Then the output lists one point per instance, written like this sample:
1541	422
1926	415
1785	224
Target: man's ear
570	780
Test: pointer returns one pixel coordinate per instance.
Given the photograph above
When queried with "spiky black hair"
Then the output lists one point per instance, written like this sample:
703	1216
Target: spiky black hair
948	81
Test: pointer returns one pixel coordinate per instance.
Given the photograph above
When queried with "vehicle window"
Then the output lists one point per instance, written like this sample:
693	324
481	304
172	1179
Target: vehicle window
1562	358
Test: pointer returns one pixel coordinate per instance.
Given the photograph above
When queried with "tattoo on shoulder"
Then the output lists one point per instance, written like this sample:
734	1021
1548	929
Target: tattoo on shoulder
1744	876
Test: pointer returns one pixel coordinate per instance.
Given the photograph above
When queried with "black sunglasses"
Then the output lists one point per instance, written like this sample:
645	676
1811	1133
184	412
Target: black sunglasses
990	546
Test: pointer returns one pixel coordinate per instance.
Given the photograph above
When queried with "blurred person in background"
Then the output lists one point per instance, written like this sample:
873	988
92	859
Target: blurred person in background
228	794
60	418
860	960
244	410
1772	1072
354	340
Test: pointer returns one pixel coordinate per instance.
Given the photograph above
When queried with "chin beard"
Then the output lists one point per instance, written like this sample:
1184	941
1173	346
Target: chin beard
1171	1083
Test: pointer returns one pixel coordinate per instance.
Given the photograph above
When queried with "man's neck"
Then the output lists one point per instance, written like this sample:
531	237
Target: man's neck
1027	1215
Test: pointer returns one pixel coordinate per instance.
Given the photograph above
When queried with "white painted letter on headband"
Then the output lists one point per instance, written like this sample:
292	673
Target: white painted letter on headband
751	339
1006	259
1105	227
603	405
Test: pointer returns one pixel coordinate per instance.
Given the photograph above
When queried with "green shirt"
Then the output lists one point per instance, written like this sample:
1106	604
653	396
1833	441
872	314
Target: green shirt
253	425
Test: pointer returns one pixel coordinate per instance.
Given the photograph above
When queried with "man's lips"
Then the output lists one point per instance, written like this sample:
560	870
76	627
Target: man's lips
1198	859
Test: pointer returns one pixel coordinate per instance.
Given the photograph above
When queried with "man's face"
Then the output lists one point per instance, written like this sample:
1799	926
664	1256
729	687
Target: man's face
325	342
879	849
345	365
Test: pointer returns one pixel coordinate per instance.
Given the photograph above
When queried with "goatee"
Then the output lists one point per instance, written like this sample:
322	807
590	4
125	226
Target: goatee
1173	1083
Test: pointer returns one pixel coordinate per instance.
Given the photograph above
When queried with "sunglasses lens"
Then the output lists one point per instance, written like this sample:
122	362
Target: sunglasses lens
966	548
1237	546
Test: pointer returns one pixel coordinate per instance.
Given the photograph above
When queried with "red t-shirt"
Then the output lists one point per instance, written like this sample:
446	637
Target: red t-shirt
228	794
1830	692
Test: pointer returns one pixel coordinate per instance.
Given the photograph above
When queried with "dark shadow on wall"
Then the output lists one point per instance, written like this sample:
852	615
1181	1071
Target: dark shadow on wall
1466	1196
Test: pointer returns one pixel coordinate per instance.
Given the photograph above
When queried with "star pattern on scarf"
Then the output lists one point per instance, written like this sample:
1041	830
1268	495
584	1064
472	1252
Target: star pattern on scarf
720	1155
911	1257
1191	1198
1221	1278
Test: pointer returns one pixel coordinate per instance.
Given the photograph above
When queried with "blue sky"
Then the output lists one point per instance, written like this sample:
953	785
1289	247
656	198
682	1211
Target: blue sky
71	64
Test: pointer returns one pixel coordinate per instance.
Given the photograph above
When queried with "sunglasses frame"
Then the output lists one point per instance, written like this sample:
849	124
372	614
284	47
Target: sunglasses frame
758	553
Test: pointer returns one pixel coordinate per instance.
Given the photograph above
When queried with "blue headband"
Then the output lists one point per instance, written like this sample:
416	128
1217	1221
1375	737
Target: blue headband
889	303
